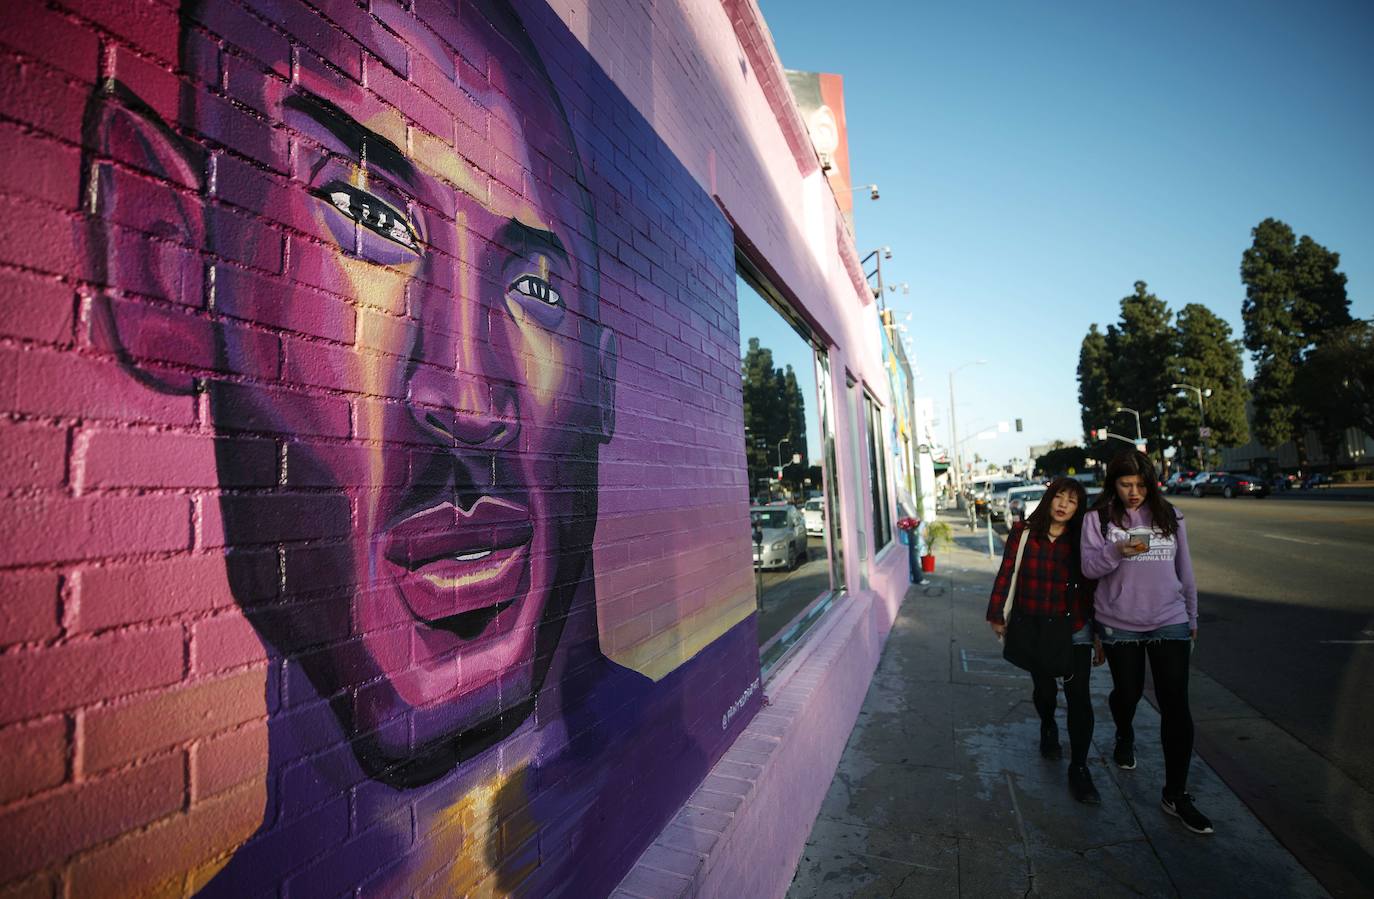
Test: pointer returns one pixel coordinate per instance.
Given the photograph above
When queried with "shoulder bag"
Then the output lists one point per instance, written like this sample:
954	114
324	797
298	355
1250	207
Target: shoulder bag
1040	644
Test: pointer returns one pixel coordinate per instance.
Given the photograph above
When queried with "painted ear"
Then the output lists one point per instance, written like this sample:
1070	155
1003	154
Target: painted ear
144	233
608	355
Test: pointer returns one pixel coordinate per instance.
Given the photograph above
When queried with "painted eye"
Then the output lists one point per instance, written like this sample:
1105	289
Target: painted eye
373	214
537	289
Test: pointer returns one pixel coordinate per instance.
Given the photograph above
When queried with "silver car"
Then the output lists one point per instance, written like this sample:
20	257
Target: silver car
997	497
1022	501
779	536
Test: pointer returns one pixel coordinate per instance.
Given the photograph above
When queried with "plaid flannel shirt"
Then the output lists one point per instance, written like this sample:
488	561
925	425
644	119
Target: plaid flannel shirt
1050	583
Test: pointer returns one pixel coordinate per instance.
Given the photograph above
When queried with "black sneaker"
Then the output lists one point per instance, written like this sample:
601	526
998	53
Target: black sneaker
1181	807
1049	742
1124	754
1081	785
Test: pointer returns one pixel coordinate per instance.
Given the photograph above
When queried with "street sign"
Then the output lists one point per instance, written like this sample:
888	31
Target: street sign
1204	433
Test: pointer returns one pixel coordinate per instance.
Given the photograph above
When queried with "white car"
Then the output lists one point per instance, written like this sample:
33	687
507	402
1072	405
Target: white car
1022	501
814	513
997	496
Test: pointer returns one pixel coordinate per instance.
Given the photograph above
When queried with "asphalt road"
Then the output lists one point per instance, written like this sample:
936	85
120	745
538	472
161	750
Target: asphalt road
1286	626
787	593
1286	615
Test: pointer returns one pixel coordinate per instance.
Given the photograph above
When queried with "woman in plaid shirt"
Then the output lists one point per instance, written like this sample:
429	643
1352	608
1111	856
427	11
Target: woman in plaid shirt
1052	583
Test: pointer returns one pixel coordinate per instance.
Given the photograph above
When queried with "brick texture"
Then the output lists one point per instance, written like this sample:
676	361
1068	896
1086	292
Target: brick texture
116	734
278	279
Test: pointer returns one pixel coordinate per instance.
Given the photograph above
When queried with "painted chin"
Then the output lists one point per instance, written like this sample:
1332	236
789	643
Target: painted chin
450	673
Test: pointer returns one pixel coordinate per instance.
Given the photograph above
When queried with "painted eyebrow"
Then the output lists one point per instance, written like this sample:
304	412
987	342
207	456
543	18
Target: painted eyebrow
515	230
366	144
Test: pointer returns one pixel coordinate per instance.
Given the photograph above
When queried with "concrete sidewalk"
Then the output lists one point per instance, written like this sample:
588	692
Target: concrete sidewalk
942	792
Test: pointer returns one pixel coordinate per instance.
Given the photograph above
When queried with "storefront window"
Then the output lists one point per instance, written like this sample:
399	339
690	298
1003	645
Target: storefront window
789	451
877	474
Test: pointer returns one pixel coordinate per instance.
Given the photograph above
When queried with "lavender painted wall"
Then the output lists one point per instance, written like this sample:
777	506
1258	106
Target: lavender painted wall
376	514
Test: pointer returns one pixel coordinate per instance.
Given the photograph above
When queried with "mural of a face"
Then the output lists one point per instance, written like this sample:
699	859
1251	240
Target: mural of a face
468	383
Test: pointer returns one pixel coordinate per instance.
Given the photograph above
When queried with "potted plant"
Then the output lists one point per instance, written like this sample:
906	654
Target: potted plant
939	535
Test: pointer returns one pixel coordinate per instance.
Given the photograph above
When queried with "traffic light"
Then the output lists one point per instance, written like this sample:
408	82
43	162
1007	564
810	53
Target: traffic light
1018	426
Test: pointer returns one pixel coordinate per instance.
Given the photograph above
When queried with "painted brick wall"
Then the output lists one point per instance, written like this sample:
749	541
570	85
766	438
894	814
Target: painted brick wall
372	492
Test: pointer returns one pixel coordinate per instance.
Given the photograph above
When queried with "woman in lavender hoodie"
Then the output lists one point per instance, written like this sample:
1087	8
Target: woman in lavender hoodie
1136	545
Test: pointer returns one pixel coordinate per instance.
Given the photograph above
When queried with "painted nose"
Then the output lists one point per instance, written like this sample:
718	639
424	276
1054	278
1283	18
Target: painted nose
463	411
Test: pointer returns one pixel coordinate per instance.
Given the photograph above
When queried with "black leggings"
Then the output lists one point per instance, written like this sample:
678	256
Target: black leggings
1169	665
1076	696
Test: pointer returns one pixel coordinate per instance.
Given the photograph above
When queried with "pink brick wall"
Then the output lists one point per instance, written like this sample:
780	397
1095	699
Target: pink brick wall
314	314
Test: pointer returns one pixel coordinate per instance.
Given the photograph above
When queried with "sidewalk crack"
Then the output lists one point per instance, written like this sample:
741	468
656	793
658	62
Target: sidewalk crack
901	883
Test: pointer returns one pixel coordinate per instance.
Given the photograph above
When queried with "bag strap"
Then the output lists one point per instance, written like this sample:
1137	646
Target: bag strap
1015	573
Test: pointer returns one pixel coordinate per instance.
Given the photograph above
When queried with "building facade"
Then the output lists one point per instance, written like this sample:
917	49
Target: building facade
375	413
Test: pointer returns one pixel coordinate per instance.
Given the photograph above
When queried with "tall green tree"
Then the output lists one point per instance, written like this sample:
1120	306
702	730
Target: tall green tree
1293	295
1141	353
1335	385
1208	359
1062	460
774	414
794	406
1094	395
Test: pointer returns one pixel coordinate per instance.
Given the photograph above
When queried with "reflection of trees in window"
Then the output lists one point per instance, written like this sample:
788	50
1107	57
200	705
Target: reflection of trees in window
774	411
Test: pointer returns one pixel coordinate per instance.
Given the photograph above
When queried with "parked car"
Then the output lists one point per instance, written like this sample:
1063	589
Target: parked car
1230	485
1202	479
1022	501
1320	479
997	496
978	493
814	515
779	536
1180	481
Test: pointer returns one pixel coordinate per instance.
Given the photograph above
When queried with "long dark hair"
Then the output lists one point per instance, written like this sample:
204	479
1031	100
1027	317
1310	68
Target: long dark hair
1038	522
1133	462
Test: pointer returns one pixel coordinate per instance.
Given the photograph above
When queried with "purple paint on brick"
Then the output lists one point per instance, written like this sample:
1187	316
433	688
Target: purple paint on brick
426	349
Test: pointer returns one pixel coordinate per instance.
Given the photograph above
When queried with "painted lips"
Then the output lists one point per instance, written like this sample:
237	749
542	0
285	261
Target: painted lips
458	569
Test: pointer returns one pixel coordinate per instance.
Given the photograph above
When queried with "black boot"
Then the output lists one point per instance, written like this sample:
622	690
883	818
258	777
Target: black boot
1081	785
1124	753
1049	741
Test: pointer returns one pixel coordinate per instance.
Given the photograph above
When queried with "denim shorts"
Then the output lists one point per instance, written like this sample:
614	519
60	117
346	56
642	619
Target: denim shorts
1111	635
1084	635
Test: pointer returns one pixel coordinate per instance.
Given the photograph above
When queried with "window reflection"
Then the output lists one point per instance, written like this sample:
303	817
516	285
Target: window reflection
786	457
877	461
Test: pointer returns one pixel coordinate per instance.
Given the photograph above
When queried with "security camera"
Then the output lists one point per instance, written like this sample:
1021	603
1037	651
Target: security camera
887	252
873	192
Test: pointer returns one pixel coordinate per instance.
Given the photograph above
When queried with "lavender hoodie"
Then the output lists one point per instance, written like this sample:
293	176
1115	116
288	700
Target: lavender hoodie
1144	592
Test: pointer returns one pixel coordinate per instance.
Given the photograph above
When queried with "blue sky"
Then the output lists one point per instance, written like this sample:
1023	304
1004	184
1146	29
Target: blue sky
1036	159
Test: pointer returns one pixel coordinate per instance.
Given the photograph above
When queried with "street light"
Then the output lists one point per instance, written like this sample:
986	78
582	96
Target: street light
871	188
1138	439
780	443
953	424
1202	432
877	256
